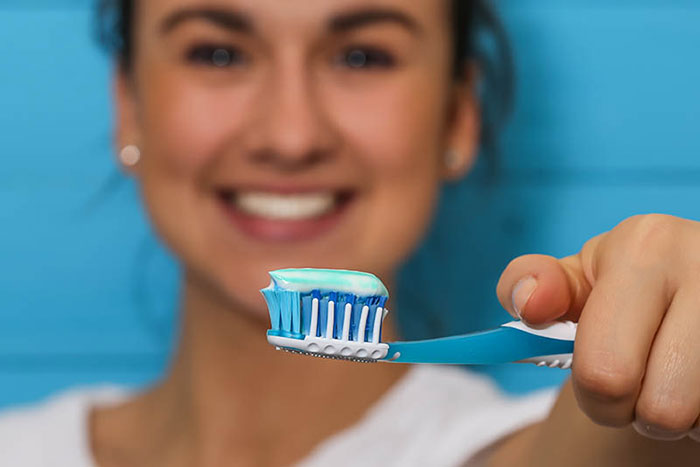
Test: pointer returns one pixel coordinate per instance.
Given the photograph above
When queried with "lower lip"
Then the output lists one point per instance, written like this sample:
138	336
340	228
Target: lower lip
284	230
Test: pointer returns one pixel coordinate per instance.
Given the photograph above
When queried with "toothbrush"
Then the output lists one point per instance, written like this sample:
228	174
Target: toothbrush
335	313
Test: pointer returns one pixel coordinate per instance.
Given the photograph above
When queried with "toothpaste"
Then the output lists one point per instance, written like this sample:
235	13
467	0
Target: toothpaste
305	280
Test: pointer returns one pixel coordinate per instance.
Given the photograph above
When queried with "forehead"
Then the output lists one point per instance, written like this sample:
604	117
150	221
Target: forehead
305	15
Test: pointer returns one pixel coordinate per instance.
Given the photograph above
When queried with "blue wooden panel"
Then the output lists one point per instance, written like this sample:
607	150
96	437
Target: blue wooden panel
54	89
74	254
605	85
76	280
46	4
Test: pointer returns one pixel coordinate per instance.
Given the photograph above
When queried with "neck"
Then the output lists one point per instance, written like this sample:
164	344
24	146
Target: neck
231	398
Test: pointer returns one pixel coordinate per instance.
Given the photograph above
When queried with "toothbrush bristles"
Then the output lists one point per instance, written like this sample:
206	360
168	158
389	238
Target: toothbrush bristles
331	357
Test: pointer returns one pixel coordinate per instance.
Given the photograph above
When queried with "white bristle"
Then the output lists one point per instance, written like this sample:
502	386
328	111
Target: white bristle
378	317
330	319
314	317
346	322
363	324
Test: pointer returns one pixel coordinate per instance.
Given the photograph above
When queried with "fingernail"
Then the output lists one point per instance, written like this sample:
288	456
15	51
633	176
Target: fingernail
653	432
521	294
695	434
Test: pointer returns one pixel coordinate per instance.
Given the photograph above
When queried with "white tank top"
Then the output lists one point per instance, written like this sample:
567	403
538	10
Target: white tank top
437	416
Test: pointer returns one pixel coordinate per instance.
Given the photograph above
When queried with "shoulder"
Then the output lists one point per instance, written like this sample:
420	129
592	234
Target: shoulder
54	431
437	415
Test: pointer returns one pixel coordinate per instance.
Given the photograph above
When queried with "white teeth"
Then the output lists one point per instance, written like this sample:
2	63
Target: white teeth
285	207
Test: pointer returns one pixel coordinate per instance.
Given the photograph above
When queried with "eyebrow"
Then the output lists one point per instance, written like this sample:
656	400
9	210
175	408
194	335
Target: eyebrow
366	17
227	19
240	22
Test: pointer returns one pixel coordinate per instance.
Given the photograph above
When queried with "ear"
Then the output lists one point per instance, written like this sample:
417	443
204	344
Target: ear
126	130
464	126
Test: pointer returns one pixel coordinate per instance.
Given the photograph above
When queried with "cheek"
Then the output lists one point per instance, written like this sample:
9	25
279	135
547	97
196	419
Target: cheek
398	217
188	125
397	133
397	128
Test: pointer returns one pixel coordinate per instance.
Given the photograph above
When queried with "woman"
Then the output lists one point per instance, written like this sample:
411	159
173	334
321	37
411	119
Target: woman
268	134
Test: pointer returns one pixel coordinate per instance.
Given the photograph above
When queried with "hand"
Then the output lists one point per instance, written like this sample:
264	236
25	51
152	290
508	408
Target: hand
635	292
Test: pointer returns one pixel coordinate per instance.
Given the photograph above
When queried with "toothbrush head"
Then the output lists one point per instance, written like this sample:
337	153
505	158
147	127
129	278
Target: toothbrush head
329	313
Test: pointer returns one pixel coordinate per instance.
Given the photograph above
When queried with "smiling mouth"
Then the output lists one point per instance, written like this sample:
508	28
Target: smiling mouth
280	216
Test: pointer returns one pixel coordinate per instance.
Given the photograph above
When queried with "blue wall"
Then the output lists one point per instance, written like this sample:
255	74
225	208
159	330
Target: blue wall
606	126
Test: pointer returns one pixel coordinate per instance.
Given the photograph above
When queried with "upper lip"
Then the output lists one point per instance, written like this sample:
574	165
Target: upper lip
283	189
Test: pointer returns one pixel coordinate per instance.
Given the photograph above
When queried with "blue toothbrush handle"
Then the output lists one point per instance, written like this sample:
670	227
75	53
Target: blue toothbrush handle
551	344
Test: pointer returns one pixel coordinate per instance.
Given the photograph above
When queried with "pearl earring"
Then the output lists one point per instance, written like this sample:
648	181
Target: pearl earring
453	159
130	155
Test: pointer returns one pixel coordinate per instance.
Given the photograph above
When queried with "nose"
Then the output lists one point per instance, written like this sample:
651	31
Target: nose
292	130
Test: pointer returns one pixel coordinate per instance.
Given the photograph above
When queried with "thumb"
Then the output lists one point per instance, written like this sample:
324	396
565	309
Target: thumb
541	288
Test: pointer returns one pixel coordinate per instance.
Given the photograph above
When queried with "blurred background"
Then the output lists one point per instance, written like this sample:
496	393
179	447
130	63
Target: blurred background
606	125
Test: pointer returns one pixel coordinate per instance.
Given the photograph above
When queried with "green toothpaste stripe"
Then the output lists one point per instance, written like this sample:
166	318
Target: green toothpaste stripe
308	279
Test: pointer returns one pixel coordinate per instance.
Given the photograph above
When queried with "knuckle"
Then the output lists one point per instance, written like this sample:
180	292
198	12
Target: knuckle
606	382
666	414
650	233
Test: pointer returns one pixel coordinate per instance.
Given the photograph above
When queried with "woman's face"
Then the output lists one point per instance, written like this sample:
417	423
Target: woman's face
291	134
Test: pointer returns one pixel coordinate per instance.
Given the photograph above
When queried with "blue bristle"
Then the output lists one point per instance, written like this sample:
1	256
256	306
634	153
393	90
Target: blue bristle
339	311
273	306
296	313
351	299
306	313
322	315
370	322
291	311
285	312
355	319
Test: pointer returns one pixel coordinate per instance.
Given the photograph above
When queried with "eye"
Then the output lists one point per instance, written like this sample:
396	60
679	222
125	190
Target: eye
215	55
365	57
